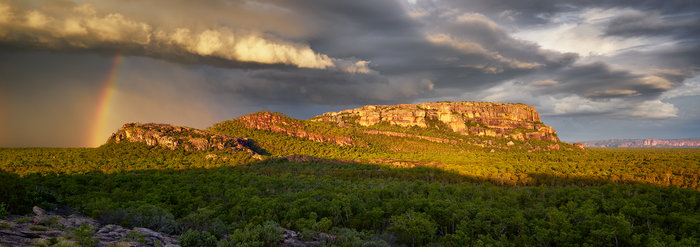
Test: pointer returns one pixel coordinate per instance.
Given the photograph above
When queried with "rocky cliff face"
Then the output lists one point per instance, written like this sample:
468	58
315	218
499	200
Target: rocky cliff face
501	120
635	143
173	137
279	123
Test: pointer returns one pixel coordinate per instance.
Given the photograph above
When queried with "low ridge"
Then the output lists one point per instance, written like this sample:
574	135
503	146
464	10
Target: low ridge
636	143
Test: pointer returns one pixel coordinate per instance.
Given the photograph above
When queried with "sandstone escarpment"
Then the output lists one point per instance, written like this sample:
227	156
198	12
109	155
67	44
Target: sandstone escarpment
279	123
174	137
634	143
500	120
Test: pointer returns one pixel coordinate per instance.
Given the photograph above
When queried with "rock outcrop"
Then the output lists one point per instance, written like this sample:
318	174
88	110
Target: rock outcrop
45	229
279	123
174	137
500	120
637	143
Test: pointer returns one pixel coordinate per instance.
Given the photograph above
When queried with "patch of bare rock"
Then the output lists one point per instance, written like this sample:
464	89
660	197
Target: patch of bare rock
46	229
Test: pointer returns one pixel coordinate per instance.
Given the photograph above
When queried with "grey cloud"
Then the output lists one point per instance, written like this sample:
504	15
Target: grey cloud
652	23
537	12
599	81
318	87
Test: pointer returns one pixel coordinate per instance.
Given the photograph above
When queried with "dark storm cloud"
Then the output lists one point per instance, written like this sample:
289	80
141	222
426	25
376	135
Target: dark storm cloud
684	55
599	81
317	87
379	51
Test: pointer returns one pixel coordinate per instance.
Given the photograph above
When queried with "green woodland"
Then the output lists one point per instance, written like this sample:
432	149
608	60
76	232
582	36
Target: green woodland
391	191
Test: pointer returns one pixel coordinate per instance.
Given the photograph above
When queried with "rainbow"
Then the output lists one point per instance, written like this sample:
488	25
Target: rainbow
99	129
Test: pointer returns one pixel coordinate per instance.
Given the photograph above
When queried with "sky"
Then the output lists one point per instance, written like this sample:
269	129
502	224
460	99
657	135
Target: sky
74	71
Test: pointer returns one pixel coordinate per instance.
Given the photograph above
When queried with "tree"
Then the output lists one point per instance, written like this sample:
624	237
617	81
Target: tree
413	227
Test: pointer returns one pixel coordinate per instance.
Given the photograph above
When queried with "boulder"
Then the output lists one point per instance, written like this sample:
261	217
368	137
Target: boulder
38	211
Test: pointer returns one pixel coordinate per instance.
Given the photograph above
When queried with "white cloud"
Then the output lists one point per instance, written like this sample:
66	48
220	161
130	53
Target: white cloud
359	67
581	32
690	88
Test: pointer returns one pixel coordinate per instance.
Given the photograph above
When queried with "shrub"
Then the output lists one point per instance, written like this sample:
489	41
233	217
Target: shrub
23	220
267	234
4	225
203	220
194	238
148	216
153	217
3	211
83	236
351	237
13	195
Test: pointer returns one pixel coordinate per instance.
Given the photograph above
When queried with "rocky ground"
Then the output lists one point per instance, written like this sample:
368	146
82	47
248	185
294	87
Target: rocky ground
45	229
50	229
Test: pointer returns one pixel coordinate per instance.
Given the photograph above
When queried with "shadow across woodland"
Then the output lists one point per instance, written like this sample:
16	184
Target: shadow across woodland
317	195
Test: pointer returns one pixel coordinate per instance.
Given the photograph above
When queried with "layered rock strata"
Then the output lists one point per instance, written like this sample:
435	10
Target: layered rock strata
500	120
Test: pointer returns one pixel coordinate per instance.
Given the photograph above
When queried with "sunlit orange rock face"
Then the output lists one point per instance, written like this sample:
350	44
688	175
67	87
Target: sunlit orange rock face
500	120
174	137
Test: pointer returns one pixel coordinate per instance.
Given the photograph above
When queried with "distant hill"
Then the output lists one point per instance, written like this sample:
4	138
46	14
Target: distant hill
637	143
